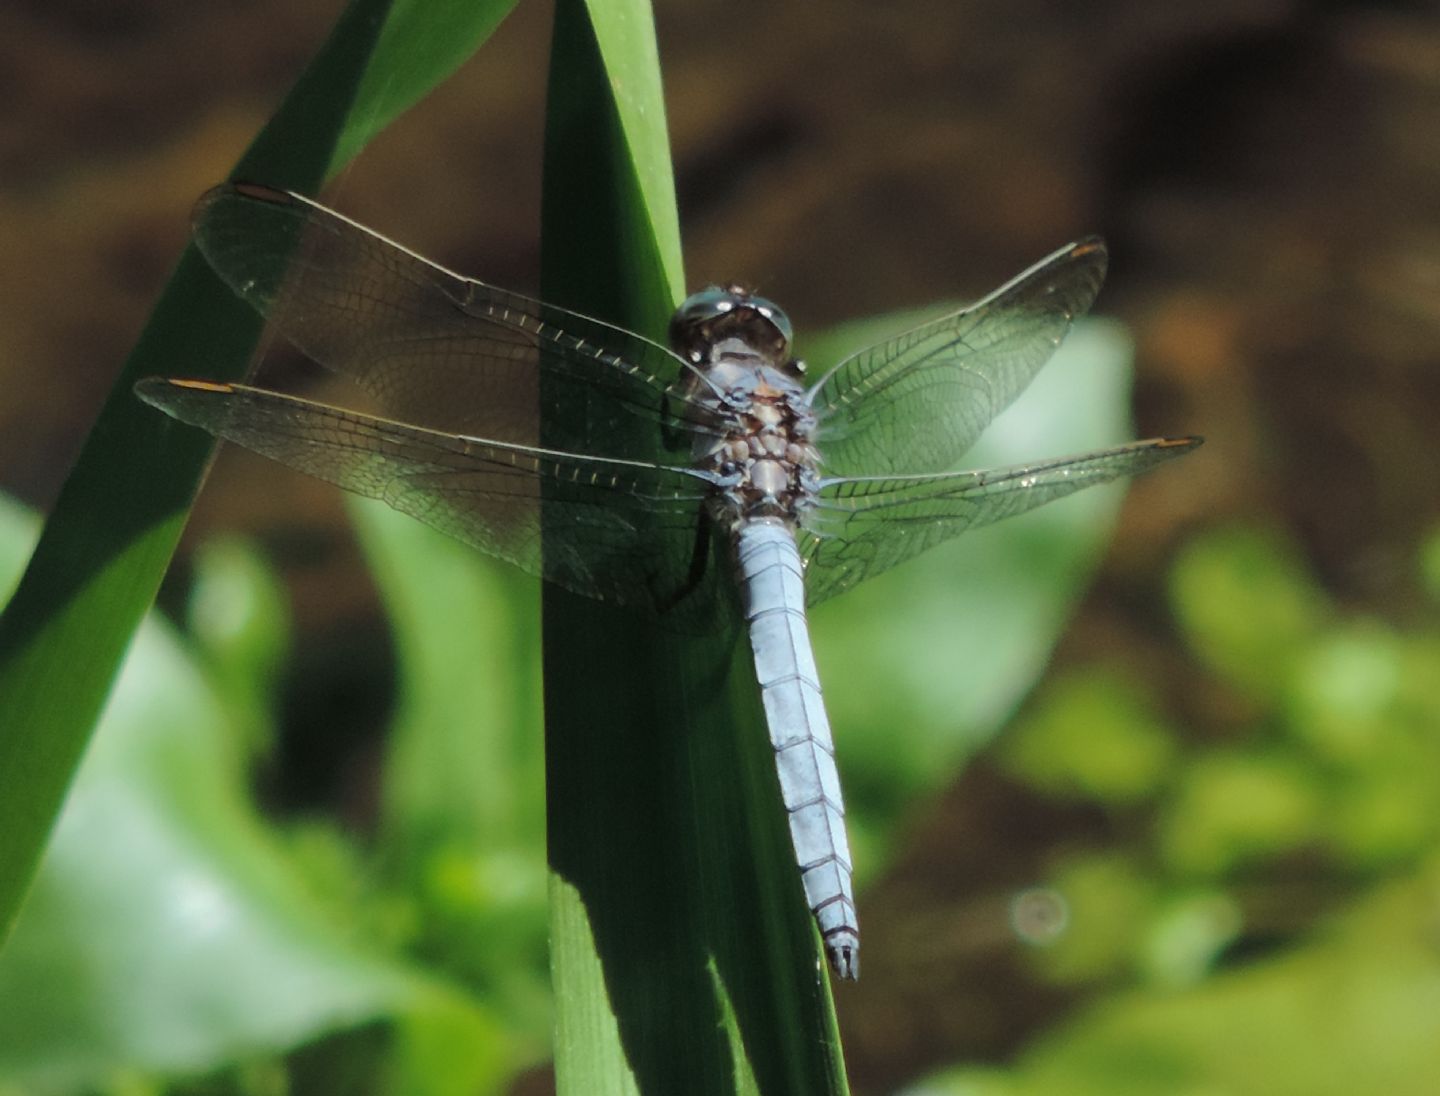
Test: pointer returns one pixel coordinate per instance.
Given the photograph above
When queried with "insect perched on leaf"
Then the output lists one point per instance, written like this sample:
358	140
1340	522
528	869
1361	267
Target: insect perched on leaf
758	489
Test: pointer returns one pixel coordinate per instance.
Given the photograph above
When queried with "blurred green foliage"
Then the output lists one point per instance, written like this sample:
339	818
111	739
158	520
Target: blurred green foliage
172	930
1267	922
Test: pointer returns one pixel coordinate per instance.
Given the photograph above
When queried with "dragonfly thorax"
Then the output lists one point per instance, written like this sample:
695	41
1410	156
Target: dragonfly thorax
761	444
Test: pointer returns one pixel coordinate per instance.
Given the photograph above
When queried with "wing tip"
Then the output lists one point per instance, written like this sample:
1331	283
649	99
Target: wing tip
245	189
1186	441
161	384
259	192
177	397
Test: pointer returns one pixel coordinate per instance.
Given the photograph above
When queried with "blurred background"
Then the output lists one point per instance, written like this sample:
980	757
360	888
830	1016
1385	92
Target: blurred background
1217	809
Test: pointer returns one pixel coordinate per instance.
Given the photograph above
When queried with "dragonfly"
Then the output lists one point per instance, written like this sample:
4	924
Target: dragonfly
681	481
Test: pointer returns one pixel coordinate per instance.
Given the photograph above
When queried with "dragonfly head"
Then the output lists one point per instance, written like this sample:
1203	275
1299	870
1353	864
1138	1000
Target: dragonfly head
718	313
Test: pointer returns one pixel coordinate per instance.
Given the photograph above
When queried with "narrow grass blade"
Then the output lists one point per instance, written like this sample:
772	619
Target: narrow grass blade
684	958
120	513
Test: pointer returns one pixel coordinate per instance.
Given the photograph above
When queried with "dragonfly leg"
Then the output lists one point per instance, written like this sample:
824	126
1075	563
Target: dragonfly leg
671	436
699	561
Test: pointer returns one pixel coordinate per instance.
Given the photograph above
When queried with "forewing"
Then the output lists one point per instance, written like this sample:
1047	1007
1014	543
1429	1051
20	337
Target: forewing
620	531
862	527
433	348
916	403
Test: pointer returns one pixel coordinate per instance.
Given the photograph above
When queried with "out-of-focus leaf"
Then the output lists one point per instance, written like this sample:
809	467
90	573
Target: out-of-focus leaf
1388	812
1186	936
1108	903
18	528
1247	606
463	809
166	931
1240	807
1092	734
467	750
1430	564
963	1081
1368	701
239	615
1344	694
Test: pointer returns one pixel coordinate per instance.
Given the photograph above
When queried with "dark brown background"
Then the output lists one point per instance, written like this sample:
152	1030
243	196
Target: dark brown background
1267	174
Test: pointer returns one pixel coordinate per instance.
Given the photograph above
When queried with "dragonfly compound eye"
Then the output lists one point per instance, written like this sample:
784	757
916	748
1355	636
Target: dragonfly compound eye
717	312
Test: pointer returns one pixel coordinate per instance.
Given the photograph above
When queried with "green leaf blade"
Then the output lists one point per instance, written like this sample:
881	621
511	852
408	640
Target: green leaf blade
685	959
120	513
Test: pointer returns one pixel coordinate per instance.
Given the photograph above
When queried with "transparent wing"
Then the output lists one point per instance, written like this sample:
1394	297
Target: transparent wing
433	348
916	403
621	531
864	526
